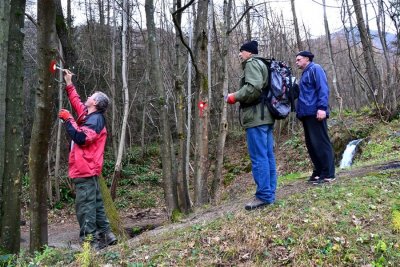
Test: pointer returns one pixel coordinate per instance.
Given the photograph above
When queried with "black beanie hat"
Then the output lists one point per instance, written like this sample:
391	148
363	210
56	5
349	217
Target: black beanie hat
251	47
306	54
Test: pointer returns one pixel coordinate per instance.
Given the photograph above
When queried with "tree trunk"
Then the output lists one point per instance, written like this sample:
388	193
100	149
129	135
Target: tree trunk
373	75
59	128
354	58
296	27
209	50
118	163
333	65
248	22
189	109
112	89
13	166
223	127
4	28
64	34
388	76
202	113
182	183
169	181
42	125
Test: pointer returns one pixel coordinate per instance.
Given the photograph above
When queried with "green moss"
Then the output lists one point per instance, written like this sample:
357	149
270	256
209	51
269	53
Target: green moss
176	215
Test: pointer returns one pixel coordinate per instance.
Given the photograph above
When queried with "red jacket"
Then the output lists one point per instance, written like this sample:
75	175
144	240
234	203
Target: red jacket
88	134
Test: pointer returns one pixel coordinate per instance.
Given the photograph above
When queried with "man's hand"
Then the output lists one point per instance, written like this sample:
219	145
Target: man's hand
65	115
68	76
321	114
230	98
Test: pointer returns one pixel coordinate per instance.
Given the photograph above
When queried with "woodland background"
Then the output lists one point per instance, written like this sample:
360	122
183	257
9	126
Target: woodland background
166	66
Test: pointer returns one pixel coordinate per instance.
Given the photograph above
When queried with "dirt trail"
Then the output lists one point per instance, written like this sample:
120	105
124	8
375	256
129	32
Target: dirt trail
65	234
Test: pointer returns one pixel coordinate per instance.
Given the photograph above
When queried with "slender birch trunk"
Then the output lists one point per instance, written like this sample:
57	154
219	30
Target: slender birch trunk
112	89
59	129
223	127
118	163
333	65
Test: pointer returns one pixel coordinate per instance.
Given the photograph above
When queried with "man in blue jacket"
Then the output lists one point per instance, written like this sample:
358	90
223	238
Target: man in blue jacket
312	110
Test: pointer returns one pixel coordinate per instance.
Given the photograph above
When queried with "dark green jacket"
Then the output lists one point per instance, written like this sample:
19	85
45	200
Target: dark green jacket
255	76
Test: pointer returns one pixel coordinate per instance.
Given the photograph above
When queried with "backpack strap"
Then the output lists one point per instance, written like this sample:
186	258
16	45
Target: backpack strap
264	91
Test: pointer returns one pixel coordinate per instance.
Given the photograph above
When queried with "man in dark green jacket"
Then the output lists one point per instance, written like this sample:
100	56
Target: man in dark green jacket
259	131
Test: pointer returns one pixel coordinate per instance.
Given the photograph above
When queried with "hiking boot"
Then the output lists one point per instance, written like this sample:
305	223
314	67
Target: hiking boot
324	180
96	246
255	203
108	239
318	181
313	179
330	180
93	242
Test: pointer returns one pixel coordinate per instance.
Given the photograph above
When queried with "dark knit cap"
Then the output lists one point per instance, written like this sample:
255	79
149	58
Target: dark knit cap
251	47
306	54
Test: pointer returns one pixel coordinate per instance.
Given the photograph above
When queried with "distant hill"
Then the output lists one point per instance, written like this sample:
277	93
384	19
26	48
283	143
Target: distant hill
390	38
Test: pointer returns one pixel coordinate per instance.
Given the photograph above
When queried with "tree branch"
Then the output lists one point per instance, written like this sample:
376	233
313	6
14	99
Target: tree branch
31	19
178	28
240	19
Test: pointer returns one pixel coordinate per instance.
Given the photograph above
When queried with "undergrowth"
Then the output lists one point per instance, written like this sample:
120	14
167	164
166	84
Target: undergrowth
350	223
354	222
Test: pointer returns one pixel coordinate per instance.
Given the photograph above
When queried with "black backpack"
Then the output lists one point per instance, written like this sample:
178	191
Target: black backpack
280	92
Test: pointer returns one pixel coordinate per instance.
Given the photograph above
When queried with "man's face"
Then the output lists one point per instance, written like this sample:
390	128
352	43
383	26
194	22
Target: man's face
244	55
91	102
302	62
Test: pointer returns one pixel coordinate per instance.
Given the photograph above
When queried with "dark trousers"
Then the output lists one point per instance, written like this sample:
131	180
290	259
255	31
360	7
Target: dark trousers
89	207
319	147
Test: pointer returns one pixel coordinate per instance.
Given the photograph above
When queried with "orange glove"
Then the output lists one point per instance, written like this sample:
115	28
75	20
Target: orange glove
230	99
65	115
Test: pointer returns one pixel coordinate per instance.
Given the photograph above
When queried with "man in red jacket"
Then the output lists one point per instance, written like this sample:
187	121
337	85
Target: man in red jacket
88	134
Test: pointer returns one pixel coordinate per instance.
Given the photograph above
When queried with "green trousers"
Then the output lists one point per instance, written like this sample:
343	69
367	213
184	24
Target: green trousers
89	207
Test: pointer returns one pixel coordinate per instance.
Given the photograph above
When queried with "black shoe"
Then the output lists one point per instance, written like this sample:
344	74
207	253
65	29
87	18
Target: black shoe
318	181
313	179
324	180
108	239
329	180
96	246
255	204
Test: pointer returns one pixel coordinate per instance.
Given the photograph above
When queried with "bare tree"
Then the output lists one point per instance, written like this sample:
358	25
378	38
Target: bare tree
248	21
182	183
113	82
169	181
118	163
12	172
333	65
296	27
373	75
388	77
223	127
4	28
202	113
41	128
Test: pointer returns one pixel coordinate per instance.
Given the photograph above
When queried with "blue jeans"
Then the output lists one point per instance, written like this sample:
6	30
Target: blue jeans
260	142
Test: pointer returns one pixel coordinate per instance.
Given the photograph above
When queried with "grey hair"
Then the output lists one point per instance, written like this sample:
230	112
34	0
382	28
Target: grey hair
102	101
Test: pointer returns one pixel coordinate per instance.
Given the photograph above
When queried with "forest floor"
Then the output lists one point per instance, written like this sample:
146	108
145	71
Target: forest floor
63	230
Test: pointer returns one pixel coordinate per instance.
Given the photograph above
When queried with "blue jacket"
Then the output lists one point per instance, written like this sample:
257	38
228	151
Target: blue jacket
314	91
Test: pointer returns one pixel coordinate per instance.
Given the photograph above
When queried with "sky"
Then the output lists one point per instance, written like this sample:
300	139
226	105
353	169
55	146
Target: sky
309	12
